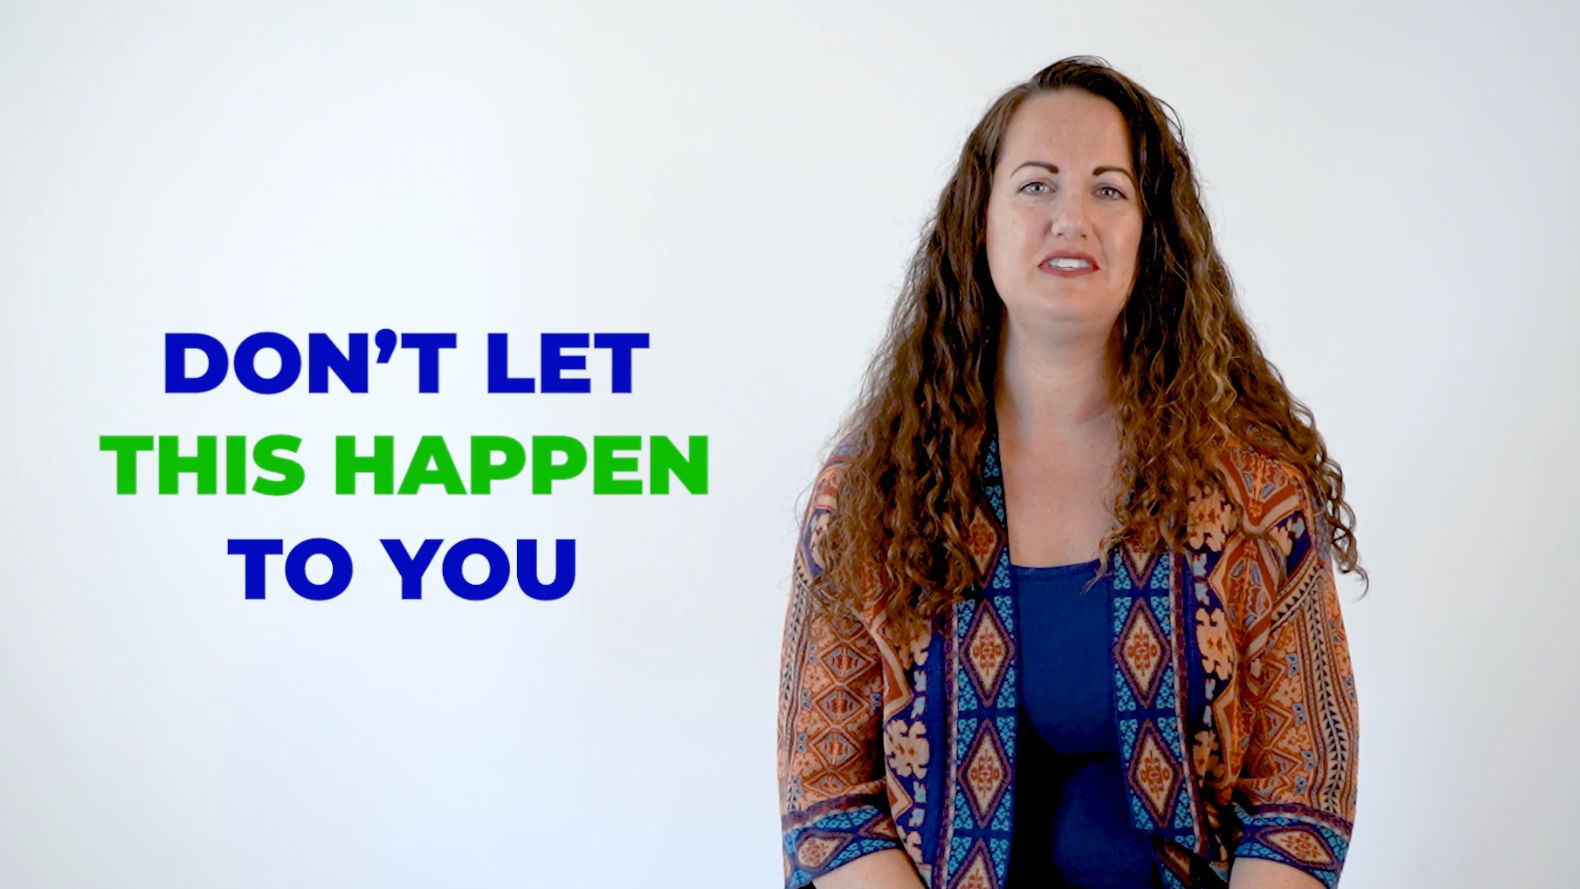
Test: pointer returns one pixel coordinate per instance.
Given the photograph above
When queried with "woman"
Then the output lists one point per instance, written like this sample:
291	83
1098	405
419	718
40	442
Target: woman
1063	610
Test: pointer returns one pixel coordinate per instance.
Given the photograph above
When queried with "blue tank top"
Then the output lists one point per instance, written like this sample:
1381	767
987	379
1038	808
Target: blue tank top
1072	818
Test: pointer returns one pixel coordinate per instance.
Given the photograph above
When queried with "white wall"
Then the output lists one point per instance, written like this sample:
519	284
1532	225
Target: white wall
1393	185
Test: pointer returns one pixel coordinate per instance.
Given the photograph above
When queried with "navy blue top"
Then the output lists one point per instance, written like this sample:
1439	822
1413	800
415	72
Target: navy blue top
1072	819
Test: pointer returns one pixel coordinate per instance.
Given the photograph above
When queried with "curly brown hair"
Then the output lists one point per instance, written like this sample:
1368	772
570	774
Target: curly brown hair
1190	379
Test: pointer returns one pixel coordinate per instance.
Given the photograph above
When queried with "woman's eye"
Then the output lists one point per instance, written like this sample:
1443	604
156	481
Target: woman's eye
1108	191
1035	188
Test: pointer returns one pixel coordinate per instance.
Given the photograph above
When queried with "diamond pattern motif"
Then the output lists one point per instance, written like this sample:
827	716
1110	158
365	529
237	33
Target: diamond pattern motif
844	661
825	782
1154	775
987	653
987	773
978	874
1141	651
983	540
834	747
838	704
1301	845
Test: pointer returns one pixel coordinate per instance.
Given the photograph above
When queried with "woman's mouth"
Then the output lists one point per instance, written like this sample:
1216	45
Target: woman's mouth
1068	265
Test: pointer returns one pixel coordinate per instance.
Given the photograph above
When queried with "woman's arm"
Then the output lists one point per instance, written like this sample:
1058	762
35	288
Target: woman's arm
889	869
833	802
1296	790
1258	873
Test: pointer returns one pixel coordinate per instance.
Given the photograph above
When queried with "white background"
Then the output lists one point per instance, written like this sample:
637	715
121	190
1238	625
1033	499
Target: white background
1394	187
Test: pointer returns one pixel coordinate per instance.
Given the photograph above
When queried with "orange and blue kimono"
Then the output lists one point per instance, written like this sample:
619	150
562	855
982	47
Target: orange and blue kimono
1232	691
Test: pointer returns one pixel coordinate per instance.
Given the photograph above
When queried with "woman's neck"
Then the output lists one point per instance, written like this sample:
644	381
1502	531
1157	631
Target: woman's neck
1053	389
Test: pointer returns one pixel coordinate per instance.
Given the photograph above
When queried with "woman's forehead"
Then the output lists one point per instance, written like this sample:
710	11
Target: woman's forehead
1069	126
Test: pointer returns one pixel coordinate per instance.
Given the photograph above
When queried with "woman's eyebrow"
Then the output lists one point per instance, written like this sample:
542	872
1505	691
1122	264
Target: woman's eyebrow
1096	171
1044	164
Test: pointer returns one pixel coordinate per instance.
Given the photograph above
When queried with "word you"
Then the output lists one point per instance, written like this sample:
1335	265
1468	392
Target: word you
410	566
557	357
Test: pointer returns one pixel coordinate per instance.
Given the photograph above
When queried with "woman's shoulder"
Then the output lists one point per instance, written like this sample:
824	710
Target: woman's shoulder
1263	489
1259	524
825	488
821	503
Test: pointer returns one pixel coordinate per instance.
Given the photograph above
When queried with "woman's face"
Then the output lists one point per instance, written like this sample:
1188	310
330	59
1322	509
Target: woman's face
1064	216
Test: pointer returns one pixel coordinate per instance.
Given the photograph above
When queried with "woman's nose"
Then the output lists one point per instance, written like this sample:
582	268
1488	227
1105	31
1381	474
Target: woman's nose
1070	219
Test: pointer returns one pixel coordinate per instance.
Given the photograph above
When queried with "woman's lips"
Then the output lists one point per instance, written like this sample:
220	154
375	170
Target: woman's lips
1068	265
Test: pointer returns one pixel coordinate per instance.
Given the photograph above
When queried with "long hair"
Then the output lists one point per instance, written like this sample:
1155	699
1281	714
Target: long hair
1190	378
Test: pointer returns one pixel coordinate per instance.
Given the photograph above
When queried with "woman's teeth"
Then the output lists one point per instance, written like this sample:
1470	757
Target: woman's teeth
1070	264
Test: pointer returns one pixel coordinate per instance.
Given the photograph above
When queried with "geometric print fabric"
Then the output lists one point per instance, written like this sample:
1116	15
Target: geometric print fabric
1229	660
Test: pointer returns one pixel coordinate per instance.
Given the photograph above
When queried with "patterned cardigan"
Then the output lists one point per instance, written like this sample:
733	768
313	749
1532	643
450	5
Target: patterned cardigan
1232	690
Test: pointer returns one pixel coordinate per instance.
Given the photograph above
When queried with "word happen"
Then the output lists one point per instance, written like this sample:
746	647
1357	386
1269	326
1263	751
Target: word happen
492	458
350	366
410	566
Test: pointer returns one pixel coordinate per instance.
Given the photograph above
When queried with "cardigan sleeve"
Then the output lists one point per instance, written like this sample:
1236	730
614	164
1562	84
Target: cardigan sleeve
833	804
1296	795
